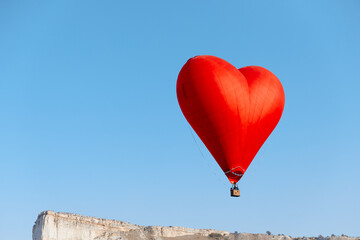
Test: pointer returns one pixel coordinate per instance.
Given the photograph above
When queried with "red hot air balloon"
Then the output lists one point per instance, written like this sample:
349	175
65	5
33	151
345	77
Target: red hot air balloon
233	111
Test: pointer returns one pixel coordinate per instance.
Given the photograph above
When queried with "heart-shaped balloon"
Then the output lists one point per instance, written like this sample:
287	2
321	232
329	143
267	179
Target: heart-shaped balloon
233	111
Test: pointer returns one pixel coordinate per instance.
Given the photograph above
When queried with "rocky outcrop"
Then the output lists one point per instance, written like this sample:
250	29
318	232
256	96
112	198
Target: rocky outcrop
66	226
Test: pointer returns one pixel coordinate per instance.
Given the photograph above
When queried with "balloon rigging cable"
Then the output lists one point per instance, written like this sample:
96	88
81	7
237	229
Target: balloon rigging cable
203	157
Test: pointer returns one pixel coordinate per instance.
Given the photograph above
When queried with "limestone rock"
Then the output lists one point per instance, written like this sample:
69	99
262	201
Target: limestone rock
64	226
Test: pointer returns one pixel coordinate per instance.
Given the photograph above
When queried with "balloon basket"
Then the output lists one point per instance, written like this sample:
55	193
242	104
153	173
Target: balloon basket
234	191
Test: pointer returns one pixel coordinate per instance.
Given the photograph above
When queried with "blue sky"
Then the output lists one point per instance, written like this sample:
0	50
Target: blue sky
90	122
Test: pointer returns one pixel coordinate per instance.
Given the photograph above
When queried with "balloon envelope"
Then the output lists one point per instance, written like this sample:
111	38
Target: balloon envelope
233	111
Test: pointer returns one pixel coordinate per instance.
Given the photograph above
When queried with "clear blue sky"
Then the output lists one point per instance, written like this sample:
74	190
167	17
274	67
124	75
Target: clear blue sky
90	122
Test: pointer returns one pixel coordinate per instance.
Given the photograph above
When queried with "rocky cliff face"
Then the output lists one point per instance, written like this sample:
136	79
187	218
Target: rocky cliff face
66	226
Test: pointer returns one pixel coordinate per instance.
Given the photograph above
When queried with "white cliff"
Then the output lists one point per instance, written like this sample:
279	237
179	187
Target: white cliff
66	226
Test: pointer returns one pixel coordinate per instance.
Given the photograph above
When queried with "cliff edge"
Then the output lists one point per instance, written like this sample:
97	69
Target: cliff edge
64	226
67	226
